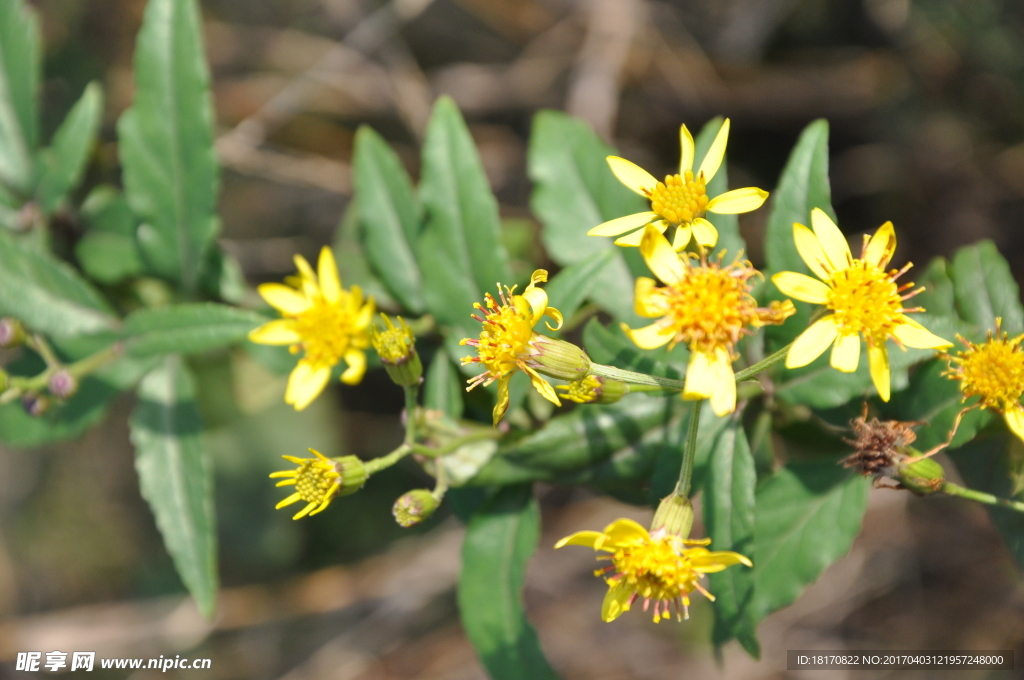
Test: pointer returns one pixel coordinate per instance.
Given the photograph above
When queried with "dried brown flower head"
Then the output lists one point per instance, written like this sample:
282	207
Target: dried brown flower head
878	445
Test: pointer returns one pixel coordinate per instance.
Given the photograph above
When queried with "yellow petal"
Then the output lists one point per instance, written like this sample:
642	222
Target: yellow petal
588	539
502	403
686	149
365	315
649	337
801	287
846	353
682	238
716	152
355	360
647	300
809	247
1015	420
881	246
543	387
621	225
330	282
305	511
616	601
878	362
288	501
284	299
810	344
633	176
738	201
723	392
304	384
837	250
307	277
660	257
717	561
277	332
913	334
704	232
625	529
555	316
700	377
538	300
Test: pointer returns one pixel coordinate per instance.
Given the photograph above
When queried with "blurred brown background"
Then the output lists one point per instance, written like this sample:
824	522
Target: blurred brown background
924	98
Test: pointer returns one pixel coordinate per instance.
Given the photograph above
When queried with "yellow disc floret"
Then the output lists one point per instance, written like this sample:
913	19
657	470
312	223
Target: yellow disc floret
865	299
680	199
992	370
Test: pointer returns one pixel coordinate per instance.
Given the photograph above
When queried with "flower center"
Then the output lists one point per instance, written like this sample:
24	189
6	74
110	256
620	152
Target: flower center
993	370
326	332
657	569
711	306
315	480
505	337
680	199
583	391
865	300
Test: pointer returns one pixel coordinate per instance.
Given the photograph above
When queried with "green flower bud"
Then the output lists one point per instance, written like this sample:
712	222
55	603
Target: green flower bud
595	389
674	516
923	476
414	507
558	358
62	384
12	332
397	350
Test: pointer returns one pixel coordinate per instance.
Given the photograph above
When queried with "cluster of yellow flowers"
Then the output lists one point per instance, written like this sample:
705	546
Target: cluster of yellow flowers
701	302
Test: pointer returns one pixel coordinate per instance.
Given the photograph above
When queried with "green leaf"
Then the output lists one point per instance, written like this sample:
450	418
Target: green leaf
49	296
938	297
573	192
175	476
802	186
993	465
499	541
108	258
807	516
729	240
985	289
105	209
391	217
166	143
729	521
20	66
443	388
606	346
666	469
459	251
63	164
187	328
571	286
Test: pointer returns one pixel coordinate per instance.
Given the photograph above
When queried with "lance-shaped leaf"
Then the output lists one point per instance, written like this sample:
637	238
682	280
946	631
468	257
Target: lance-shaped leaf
20	62
501	537
985	289
443	388
391	217
186	328
64	162
166	143
571	286
175	476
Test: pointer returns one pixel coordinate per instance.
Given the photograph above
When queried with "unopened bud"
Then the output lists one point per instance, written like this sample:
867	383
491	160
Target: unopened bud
595	389
353	474
12	332
35	404
62	384
396	347
413	507
674	516
558	358
923	476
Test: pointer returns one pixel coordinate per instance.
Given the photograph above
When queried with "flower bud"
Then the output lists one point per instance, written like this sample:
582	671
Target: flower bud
397	350
414	507
595	389
674	516
923	476
353	474
558	358
12	332
35	404
62	384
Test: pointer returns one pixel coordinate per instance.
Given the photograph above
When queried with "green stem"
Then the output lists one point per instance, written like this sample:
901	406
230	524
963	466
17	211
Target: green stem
42	347
78	369
441	485
767	362
478	435
690	452
633	378
377	464
981	497
411	392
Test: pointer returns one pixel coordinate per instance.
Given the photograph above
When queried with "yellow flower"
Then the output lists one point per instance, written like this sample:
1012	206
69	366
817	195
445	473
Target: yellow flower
994	371
655	566
864	299
507	342
707	306
325	321
320	480
682	200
